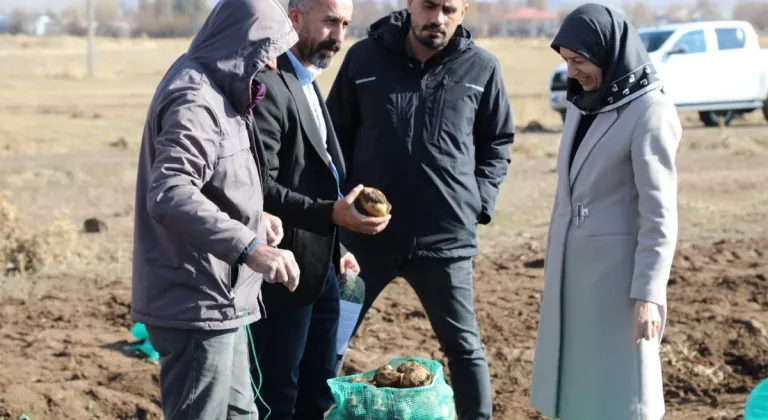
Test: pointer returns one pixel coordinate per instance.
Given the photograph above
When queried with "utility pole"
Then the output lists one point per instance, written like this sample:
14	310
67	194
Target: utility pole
90	4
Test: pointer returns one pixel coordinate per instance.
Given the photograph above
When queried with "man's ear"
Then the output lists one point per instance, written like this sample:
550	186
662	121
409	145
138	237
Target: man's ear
464	11
296	18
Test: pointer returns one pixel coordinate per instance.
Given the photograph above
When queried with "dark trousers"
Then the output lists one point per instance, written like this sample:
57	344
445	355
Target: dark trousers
445	288
296	353
204	374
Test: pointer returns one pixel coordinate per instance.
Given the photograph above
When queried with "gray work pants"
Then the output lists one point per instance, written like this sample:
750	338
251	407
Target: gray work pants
204	375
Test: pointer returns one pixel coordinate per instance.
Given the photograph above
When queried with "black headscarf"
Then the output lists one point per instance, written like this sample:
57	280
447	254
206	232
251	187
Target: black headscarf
603	36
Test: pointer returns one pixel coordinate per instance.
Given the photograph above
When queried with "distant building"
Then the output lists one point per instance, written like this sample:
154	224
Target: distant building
488	19
529	22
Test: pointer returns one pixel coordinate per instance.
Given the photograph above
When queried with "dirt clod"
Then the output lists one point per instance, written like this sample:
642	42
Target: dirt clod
120	143
94	225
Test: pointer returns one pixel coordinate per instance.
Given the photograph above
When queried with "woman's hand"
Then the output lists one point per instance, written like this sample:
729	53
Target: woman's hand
647	320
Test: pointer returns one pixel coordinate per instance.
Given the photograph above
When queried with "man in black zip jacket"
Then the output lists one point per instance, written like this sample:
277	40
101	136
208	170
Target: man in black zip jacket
421	113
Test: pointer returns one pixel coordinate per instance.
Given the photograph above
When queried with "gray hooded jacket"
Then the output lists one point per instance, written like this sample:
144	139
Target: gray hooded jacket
199	199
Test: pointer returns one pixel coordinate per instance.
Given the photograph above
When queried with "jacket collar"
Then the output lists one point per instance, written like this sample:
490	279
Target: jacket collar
392	30
306	75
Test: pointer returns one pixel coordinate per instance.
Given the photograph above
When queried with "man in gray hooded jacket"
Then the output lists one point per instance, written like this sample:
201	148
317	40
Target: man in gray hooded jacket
200	249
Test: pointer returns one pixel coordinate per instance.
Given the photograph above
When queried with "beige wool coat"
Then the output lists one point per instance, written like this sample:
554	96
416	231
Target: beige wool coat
611	240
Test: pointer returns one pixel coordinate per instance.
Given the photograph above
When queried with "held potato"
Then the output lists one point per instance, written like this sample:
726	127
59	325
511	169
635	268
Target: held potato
374	202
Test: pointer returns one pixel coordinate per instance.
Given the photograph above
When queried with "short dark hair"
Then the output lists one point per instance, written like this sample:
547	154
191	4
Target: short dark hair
302	5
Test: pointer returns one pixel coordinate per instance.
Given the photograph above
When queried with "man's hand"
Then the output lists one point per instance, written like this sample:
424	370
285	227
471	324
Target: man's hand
274	229
647	320
348	261
277	265
345	214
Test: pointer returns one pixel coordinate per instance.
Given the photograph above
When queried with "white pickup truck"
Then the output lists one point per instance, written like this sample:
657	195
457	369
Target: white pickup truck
714	68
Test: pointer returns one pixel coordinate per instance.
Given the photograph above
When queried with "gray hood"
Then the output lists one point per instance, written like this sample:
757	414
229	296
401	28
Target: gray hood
232	49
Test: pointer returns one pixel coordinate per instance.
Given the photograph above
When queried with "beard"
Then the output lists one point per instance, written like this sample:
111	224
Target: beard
430	40
319	54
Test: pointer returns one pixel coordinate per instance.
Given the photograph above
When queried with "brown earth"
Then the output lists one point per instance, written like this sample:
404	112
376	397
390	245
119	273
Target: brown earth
62	351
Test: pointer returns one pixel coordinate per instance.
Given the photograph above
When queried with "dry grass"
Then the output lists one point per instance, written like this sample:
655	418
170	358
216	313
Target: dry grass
687	361
732	143
27	250
50	106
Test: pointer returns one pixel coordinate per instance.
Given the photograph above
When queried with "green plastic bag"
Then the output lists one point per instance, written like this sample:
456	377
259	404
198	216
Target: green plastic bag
358	401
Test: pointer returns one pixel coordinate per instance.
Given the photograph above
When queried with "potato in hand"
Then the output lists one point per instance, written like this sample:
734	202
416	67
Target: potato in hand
374	202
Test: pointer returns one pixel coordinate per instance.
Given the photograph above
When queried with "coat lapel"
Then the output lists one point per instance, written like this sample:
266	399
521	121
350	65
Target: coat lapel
333	143
306	117
566	144
603	122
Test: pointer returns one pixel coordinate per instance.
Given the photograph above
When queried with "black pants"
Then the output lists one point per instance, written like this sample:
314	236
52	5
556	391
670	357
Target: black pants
296	353
445	288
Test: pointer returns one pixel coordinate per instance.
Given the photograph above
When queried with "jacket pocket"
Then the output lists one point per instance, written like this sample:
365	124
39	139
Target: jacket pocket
611	236
460	103
478	200
451	121
234	141
236	172
234	275
173	254
437	120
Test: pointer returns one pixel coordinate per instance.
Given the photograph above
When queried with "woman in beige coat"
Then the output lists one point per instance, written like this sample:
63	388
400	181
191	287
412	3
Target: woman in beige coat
613	229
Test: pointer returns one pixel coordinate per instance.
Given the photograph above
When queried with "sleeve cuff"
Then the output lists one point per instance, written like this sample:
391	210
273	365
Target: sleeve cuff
324	216
655	295
246	251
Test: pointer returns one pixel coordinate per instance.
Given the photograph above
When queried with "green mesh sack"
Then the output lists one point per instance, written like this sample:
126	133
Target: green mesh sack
365	401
